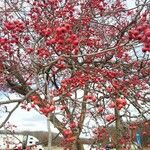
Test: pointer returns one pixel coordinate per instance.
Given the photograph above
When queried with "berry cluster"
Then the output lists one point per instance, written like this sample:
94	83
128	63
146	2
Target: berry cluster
119	103
14	26
64	39
142	34
48	109
110	117
68	135
100	133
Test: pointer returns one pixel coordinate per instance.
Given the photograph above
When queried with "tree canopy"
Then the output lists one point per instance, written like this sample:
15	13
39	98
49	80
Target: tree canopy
82	63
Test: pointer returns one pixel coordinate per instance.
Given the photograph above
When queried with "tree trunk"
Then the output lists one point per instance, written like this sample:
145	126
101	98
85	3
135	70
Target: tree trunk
49	133
117	124
77	146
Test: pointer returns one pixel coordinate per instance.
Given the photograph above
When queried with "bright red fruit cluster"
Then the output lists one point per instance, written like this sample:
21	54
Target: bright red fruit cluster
90	98
68	135
62	38
142	34
119	103
110	117
44	109
48	109
14	26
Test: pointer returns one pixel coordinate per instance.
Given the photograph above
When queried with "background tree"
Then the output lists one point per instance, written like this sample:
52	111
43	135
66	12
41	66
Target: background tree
84	64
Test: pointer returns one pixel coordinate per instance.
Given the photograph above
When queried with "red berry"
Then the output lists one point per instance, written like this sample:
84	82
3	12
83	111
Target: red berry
100	109
139	28
67	26
145	49
135	32
111	104
70	139
119	106
109	117
52	108
67	132
72	124
63	29
58	30
121	101
75	43
51	41
139	37
147	32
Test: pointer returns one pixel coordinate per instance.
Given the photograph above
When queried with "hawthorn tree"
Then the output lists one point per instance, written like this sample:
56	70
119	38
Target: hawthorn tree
82	63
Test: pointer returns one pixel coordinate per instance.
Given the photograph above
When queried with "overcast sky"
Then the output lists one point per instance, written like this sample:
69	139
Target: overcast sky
25	120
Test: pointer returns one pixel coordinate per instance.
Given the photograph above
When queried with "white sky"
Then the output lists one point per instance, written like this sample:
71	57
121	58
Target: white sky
25	120
130	3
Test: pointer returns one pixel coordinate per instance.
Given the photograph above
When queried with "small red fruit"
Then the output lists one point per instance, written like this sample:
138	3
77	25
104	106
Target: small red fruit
109	117
68	26
51	41
121	101
147	32
111	104
145	49
119	106
73	125
67	132
37	102
100	109
52	108
139	28
135	32
70	139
